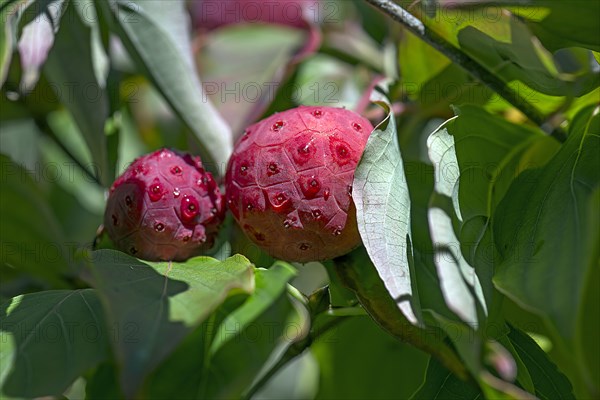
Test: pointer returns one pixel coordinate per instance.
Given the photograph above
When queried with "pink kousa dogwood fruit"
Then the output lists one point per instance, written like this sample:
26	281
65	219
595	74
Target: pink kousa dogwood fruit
165	206
289	182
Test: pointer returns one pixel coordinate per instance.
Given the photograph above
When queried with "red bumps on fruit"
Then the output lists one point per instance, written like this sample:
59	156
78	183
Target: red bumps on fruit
289	182
165	206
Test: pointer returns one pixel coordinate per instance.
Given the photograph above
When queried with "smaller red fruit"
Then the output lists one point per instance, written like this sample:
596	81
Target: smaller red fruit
165	206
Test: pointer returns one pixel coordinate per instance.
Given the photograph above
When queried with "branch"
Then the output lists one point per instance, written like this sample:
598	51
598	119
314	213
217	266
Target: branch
414	25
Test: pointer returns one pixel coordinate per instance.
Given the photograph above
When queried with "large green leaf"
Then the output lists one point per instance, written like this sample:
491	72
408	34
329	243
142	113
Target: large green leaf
70	68
380	193
31	239
48	339
154	306
392	368
156	34
207	363
546	232
548	381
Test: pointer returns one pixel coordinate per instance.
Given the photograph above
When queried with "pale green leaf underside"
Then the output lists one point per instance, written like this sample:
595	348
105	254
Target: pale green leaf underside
381	196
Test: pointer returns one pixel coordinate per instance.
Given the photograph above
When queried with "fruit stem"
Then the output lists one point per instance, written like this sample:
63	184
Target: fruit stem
478	71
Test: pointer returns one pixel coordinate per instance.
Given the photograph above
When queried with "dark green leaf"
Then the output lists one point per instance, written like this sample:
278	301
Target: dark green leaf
154	306
103	383
48	339
547	234
549	382
358	274
31	239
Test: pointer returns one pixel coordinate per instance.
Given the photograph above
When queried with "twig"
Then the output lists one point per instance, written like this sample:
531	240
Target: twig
414	25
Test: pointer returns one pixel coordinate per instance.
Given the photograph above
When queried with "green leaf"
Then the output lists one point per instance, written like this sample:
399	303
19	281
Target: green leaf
547	235
380	193
156	34
31	239
154	306
522	59
395	369
48	339
258	327
269	285
568	24
549	382
104	383
262	342
476	156
442	384
70	67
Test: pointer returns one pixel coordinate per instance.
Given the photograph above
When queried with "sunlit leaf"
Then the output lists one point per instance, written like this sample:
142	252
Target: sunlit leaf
48	339
154	306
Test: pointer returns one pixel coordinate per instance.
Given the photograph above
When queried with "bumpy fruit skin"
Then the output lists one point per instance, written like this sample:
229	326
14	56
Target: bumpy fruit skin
165	206
289	182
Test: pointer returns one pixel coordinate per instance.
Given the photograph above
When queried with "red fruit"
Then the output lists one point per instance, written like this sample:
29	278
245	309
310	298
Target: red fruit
289	182
165	206
210	14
